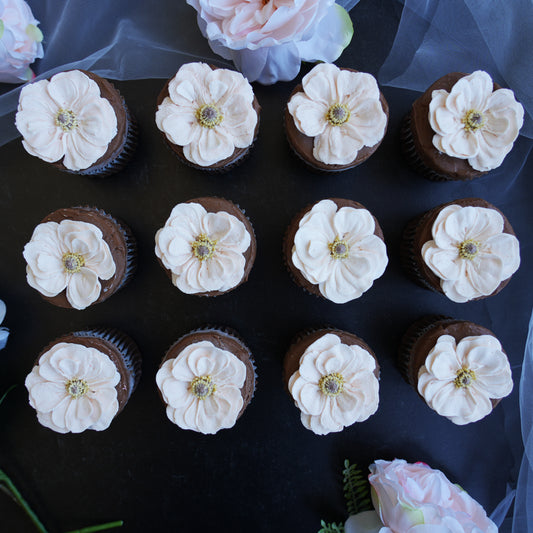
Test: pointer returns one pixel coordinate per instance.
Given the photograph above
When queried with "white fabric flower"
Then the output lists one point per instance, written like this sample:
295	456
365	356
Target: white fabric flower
470	253
341	110
71	255
201	387
72	388
335	385
458	380
204	251
337	250
472	122
4	332
65	117
208	112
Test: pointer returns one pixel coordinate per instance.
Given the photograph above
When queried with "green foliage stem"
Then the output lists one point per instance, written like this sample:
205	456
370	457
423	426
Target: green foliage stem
101	527
356	489
331	528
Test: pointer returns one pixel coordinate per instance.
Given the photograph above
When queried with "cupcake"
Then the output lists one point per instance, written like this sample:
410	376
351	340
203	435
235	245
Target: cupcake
207	246
465	249
335	249
462	127
458	368
79	256
83	380
78	122
332	376
209	117
336	118
206	380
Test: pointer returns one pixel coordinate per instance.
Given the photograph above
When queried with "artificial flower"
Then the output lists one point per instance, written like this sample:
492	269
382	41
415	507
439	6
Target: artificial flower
4	332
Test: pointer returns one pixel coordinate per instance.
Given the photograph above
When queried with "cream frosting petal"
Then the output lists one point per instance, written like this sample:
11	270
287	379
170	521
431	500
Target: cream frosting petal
478	223
43	261
460	144
505	246
48	286
59	414
178	122
443	263
210	148
225	228
49	395
439	98
97	123
356	87
100	261
320	83
67	88
179	371
308	115
357	223
79	153
334	148
34	99
83	288
175	392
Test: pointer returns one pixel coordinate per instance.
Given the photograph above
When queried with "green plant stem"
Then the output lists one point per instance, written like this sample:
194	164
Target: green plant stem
4	478
101	527
7	392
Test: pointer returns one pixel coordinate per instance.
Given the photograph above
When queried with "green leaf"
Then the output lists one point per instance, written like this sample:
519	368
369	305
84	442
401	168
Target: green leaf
356	489
33	32
331	528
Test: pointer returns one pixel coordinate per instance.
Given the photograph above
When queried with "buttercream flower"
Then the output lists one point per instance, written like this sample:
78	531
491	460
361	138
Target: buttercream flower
65	117
71	255
72	388
20	41
335	385
459	380
470	253
201	387
209	112
203	250
473	122
4	332
337	250
267	41
341	110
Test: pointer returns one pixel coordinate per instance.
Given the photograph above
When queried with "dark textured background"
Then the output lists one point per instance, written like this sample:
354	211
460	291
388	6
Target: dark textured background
268	473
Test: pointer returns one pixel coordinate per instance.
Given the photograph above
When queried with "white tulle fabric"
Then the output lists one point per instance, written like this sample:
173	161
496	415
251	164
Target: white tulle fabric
492	379
359	398
195	85
339	280
20	41
217	411
46	270
56	408
486	147
325	86
81	146
173	245
498	256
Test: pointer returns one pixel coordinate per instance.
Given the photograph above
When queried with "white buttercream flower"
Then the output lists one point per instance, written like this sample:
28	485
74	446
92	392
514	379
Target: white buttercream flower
72	388
20	41
201	387
458	380
208	112
71	255
341	110
472	122
337	250
335	385
65	117
470	253
204	251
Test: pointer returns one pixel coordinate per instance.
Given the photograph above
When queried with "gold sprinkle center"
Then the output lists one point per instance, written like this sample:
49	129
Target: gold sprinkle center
473	120
338	114
338	249
209	116
66	120
73	262
464	378
202	387
469	249
77	387
332	384
203	247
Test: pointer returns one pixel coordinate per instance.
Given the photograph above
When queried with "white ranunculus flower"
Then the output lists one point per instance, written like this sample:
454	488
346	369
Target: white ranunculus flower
458	380
341	110
71	255
65	117
473	122
470	253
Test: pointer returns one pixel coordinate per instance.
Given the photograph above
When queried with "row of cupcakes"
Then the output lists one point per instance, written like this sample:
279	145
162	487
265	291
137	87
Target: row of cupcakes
207	378
462	127
335	249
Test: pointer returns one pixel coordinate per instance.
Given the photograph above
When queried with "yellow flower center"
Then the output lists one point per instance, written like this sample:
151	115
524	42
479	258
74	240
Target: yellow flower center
332	384
73	262
77	387
203	247
337	114
338	249
469	249
202	387
473	120
464	378
209	116
66	120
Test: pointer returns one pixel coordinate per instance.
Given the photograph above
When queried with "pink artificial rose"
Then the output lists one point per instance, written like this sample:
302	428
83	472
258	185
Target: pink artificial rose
20	41
268	39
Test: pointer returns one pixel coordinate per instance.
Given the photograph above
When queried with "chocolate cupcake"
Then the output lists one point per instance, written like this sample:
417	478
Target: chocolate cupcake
206	380
336	118
83	380
332	376
78	122
207	246
462	127
465	249
458	368
79	256
335	249
208	116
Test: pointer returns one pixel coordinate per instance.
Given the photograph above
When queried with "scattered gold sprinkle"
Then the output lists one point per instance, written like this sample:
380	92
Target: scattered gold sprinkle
66	120
203	247
73	262
473	120
469	249
209	116
338	114
77	387
338	249
202	387
332	384
464	378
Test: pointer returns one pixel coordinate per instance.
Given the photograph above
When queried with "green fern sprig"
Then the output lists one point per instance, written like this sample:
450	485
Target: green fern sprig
356	489
331	528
